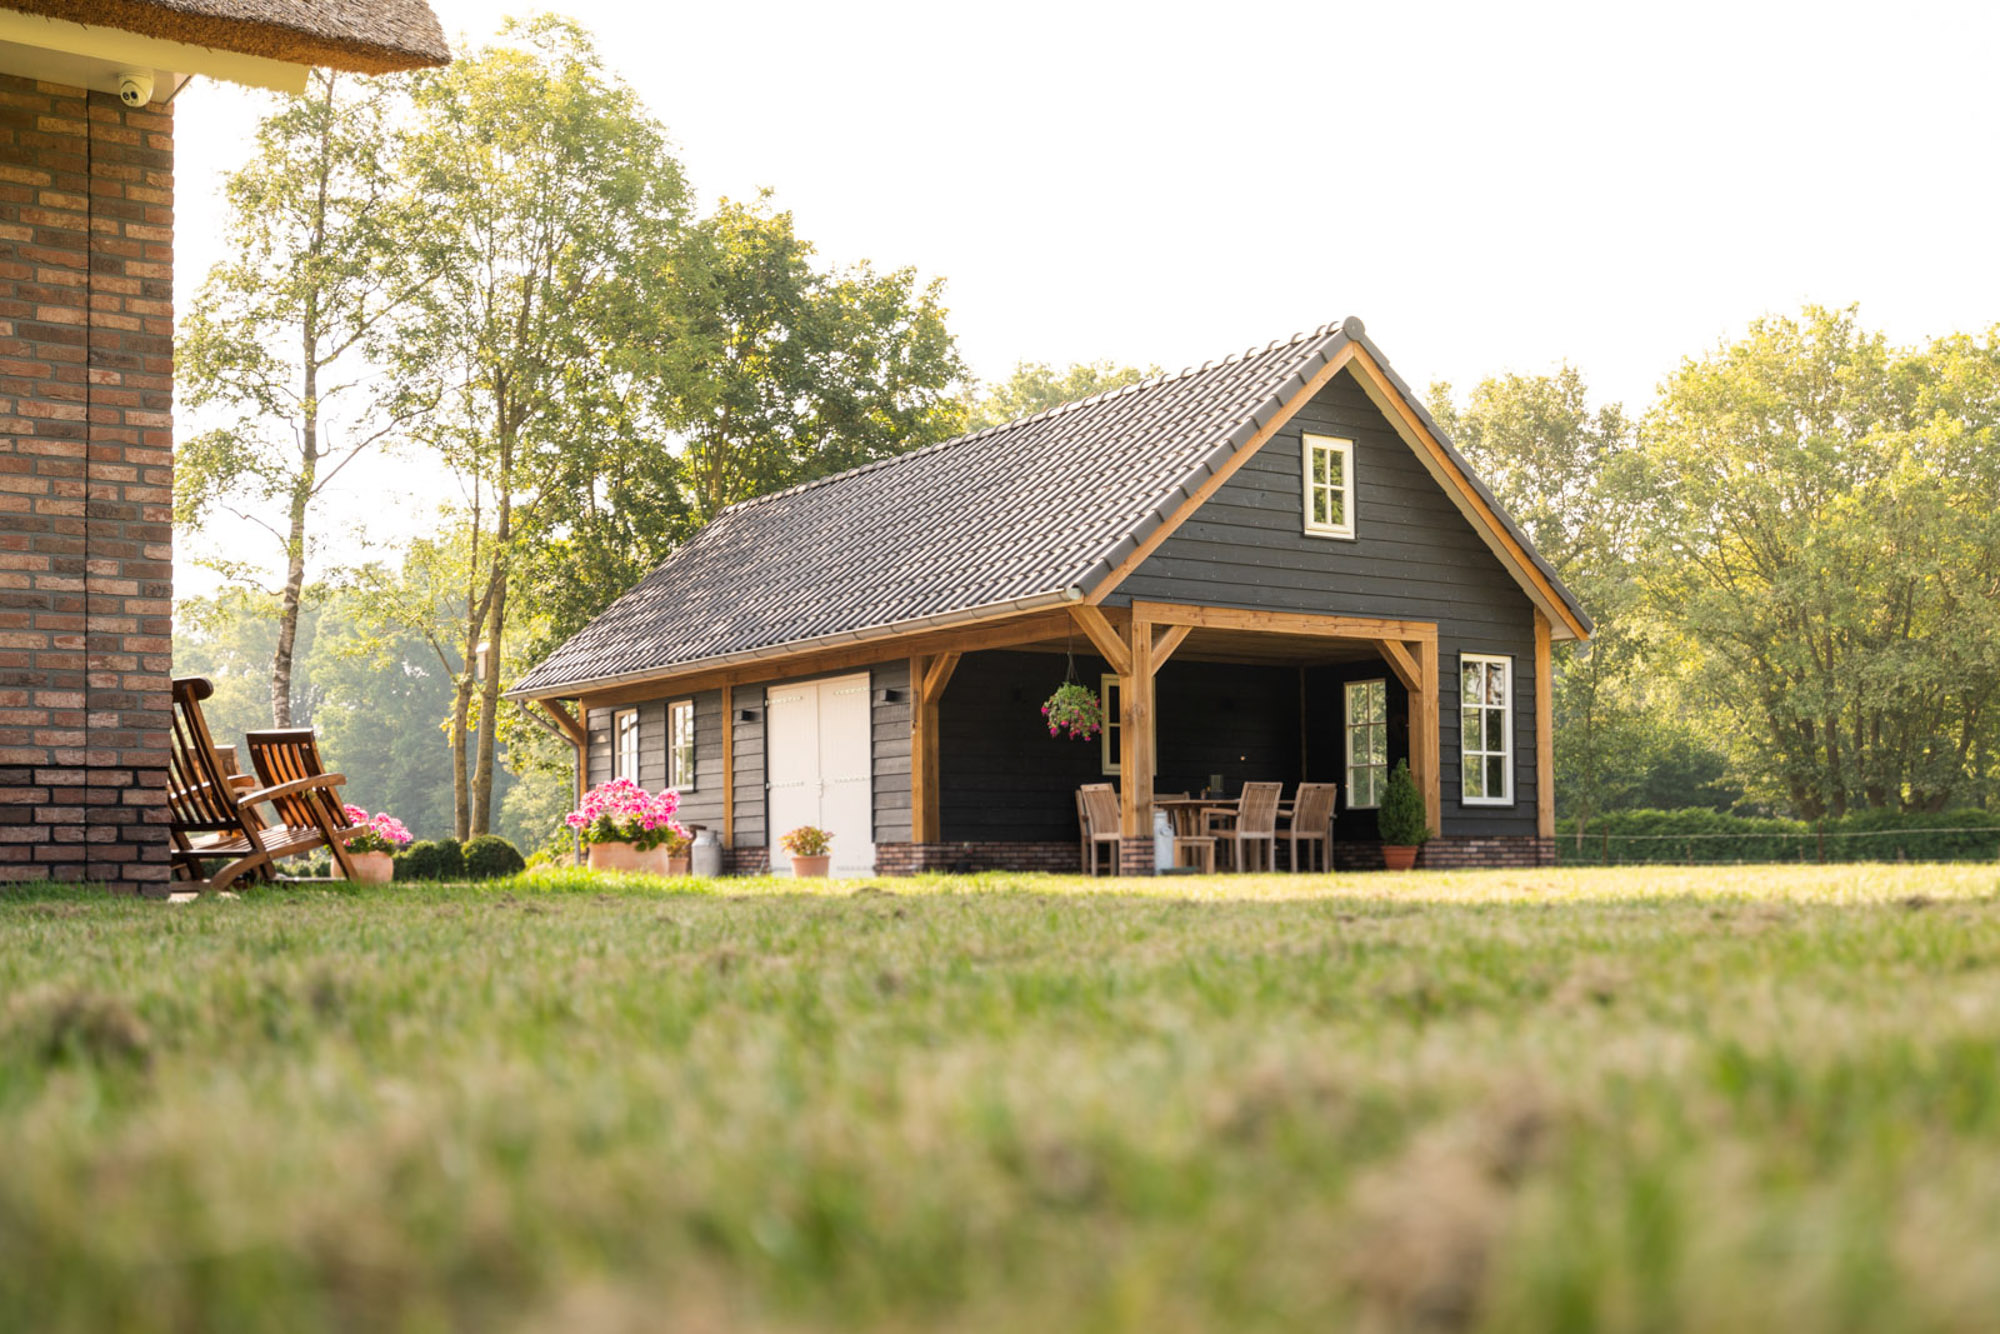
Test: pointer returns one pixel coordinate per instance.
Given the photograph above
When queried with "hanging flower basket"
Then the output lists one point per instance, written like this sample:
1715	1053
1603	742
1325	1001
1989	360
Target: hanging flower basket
1074	709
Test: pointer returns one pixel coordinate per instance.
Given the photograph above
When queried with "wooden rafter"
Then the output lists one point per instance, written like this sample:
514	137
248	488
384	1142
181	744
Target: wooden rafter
1284	622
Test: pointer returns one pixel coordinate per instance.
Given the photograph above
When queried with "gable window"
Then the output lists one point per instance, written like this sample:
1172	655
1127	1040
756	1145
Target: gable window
1367	743
1486	729
625	744
1329	485
680	745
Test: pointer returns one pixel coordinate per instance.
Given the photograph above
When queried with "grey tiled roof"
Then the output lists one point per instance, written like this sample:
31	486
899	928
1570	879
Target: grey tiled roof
1016	514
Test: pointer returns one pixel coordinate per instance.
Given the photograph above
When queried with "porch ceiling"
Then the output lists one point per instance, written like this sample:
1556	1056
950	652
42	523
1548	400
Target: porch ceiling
1253	648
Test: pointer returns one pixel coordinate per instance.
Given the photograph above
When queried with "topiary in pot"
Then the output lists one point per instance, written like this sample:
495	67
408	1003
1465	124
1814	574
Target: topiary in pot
1401	821
490	856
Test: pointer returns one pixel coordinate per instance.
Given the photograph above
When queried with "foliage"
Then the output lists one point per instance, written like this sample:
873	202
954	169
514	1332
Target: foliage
381	832
1075	709
441	859
775	371
1822	532
1035	387
491	857
1522	1099
1400	821
281	334
621	811
807	841
1695	836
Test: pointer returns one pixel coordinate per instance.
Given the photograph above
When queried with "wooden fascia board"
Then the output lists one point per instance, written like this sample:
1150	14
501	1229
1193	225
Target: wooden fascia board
1000	632
1166	529
1382	391
1283	622
1111	645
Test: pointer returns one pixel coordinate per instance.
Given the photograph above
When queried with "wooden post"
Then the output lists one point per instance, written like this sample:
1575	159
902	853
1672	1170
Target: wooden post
928	678
1135	732
728	766
1545	732
1424	746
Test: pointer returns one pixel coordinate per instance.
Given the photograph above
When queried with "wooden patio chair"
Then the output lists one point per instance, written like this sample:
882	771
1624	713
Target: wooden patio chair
1312	824
1256	826
1102	823
286	755
213	819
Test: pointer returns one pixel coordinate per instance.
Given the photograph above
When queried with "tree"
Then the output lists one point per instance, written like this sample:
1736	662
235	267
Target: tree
1822	517
776	372
550	202
281	335
1036	386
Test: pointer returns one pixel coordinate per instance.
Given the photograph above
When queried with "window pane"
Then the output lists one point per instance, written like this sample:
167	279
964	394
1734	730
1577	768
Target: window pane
1322	506
1474	787
1378	703
1357	703
1470	730
1496	685
1496	775
1378	745
1471	682
1336	471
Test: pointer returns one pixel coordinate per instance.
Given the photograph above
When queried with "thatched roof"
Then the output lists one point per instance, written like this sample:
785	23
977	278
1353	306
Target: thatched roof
364	36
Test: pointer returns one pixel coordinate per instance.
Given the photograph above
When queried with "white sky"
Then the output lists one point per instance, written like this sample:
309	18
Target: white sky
1491	187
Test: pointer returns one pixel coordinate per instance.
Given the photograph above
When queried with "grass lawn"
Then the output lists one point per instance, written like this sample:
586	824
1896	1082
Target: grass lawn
1645	1099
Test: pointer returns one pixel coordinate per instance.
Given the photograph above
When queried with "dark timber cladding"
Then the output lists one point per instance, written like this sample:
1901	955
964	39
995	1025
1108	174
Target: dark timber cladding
1415	558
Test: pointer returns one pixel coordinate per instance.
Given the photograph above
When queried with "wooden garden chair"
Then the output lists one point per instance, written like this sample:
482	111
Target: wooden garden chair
1256	826
213	819
1312	824
1102	823
284	756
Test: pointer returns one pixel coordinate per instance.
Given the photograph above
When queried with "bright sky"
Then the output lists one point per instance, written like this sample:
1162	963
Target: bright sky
1491	187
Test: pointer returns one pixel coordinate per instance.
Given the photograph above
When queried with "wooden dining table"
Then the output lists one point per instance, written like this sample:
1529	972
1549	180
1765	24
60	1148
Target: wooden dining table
1189	815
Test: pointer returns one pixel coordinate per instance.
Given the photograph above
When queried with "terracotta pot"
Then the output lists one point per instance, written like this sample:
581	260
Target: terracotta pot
373	868
1399	857
678	865
811	868
614	857
658	861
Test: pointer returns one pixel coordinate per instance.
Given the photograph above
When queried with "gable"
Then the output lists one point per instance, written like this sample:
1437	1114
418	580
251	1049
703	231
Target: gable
1414	555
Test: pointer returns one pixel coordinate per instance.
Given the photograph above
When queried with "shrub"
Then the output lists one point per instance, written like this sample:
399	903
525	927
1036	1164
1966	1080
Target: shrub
1401	821
451	859
419	861
1699	835
490	857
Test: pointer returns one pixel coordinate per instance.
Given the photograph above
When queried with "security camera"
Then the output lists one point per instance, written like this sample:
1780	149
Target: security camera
135	87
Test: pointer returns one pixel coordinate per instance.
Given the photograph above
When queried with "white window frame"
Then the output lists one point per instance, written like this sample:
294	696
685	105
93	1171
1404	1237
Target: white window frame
1109	748
681	773
1350	728
625	744
1486	663
1310	446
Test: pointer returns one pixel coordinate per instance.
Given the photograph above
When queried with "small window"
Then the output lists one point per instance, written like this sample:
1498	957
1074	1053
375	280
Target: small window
1367	743
1486	729
625	744
1329	486
680	745
1108	739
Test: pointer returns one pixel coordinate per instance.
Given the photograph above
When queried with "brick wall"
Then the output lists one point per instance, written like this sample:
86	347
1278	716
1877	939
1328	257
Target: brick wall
913	858
1455	853
86	477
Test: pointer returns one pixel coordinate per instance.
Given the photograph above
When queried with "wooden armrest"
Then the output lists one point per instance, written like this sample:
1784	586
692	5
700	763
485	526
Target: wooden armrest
293	788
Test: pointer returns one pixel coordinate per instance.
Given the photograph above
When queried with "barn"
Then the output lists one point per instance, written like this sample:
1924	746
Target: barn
1274	567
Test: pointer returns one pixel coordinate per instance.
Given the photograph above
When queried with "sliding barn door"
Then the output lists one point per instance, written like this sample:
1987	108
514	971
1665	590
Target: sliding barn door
820	756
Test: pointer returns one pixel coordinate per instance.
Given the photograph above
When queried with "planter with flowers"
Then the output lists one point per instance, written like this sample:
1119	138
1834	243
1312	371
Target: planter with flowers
670	855
625	825
808	846
374	845
1074	709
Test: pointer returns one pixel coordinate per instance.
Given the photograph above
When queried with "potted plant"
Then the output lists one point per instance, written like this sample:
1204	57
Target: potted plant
622	823
1075	709
374	847
1401	821
668	850
808	847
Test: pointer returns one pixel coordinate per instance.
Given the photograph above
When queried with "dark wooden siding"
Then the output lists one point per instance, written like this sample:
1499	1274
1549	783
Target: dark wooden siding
1004	779
700	804
1414	557
892	750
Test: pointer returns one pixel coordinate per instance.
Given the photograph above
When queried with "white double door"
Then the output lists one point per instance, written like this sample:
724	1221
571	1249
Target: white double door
819	747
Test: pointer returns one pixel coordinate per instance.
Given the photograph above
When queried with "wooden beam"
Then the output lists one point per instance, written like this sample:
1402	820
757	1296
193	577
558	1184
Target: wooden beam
1105	636
1545	732
569	723
1169	639
924	818
728	767
1283	622
1425	745
1135	733
1186	508
1382	390
938	676
1406	668
1007	632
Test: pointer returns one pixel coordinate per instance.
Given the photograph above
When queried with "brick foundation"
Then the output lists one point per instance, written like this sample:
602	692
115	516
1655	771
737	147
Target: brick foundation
915	858
1456	853
746	861
86	485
